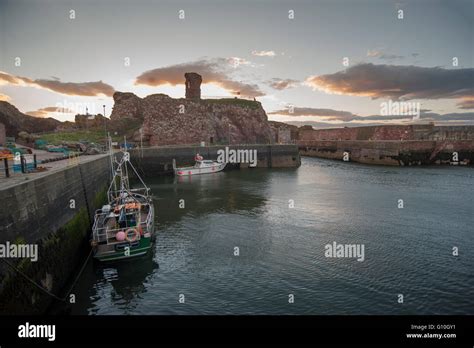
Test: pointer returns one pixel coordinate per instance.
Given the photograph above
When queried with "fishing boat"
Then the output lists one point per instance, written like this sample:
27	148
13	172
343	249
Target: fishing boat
123	228
201	166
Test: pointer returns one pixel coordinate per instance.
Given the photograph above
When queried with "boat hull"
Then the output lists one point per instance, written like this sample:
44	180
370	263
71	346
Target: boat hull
186	171
105	253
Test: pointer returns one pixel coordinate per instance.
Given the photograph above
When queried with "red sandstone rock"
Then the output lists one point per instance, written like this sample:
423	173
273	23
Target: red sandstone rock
169	121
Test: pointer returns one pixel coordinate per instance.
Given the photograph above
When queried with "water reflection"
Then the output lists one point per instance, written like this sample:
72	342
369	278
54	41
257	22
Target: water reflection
200	195
282	248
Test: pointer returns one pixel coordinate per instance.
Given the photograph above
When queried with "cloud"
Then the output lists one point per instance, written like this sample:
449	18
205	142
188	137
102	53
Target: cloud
326	125
7	79
281	84
86	89
398	82
4	97
466	103
235	62
346	116
264	53
45	112
381	55
217	71
325	113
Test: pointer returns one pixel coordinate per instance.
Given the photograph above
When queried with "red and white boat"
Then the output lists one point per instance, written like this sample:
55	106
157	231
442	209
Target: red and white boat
201	166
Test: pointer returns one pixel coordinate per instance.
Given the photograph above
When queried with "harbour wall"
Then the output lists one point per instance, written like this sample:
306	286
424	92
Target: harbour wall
53	210
388	132
398	145
154	161
396	153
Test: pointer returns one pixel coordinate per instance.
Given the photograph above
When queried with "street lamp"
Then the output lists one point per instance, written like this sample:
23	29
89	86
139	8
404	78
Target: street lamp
105	120
105	125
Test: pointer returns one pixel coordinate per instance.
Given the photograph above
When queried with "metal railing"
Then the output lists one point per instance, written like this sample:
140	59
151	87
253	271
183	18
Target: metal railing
109	233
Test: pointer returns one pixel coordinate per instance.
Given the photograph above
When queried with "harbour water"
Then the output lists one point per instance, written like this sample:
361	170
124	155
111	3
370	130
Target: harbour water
279	221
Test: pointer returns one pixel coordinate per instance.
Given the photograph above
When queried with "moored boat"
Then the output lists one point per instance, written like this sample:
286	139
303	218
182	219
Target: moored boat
124	227
201	166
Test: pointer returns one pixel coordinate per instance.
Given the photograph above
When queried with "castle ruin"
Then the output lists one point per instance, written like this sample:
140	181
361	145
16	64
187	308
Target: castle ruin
193	85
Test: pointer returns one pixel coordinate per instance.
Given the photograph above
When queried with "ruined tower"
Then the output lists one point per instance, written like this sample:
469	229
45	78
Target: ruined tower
193	85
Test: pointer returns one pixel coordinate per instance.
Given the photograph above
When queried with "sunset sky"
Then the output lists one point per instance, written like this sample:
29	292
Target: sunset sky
49	59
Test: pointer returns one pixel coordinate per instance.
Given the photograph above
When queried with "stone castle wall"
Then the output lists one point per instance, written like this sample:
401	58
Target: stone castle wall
389	132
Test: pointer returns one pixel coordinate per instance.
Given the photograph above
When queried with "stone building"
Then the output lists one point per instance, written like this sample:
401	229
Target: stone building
283	133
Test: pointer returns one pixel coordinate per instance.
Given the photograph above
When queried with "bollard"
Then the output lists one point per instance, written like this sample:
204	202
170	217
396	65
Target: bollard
7	172
34	161
22	163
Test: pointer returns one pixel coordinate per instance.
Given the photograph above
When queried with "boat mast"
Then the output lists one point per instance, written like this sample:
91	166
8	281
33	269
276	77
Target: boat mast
127	159
111	156
122	172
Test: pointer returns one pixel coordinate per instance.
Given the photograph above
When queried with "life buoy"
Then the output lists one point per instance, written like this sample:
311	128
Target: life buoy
134	237
198	157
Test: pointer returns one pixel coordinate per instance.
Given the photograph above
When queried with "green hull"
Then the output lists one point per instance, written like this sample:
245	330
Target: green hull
113	255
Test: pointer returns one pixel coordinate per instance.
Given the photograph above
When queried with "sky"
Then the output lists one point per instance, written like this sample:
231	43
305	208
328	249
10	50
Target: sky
325	63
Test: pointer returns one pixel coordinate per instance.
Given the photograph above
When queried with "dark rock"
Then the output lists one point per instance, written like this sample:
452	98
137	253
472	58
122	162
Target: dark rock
15	121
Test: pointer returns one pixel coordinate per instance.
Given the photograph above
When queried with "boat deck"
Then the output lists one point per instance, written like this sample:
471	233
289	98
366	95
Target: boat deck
111	228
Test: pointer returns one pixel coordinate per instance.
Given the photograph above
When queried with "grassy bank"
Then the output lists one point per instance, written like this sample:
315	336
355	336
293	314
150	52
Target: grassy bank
234	101
93	136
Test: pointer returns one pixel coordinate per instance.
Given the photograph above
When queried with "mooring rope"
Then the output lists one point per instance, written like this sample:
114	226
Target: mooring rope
32	281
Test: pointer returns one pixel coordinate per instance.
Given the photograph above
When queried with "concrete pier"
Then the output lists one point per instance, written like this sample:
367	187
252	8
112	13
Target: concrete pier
53	210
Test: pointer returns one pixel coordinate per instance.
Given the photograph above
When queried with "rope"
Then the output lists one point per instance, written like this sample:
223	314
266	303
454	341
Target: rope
79	274
63	299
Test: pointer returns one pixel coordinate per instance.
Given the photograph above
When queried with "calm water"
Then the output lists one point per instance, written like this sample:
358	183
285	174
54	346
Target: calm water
407	251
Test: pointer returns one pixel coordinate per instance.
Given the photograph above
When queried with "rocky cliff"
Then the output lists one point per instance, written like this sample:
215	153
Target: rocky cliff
15	121
168	121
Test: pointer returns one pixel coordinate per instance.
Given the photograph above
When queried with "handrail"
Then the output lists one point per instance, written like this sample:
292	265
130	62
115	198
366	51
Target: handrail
105	231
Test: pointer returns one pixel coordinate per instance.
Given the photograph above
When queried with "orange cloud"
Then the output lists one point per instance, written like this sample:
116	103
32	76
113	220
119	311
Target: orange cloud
45	112
86	89
4	97
281	84
396	81
466	103
216	71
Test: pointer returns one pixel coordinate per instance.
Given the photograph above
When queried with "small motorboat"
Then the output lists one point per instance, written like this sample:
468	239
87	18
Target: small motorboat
201	166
